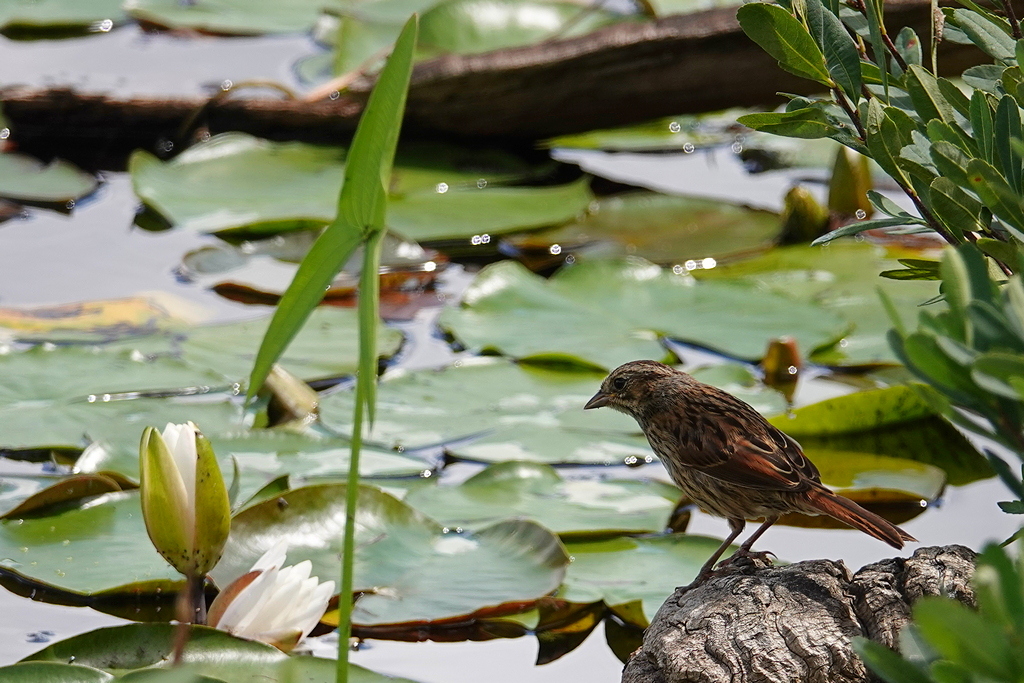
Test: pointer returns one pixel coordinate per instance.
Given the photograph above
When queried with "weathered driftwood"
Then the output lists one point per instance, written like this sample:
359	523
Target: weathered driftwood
758	624
619	75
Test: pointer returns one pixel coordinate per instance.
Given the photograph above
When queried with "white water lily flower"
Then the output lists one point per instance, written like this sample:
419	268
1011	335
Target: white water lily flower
184	500
272	603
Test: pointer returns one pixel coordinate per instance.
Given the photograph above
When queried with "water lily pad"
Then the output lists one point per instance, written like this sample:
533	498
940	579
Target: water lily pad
685	133
515	411
622	570
662	228
605	313
116	425
893	422
416	570
235	184
870	478
71	551
471	26
74	372
208	652
26	179
234	17
52	672
842	278
58	15
535	491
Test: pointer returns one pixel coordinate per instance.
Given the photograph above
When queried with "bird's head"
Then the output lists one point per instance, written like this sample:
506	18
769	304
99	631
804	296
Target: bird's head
628	385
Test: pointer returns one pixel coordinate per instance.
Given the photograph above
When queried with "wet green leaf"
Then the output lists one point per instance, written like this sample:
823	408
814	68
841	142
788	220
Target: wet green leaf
415	568
621	570
842	278
928	99
894	422
52	672
673	132
58	15
70	551
209	652
235	17
610	312
986	34
993	189
517	411
535	491
1001	373
472	26
807	123
662	228
26	179
785	39
239	185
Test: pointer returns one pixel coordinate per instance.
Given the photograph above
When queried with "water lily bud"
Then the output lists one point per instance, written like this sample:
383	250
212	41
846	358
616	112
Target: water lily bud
272	603
184	500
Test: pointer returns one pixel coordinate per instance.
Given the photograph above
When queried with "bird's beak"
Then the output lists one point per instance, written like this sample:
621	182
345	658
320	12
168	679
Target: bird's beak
599	400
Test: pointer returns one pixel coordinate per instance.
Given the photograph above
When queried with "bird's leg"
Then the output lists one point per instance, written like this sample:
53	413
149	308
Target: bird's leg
736	525
745	551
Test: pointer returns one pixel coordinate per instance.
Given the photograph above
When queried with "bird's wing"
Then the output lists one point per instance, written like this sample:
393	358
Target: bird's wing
730	441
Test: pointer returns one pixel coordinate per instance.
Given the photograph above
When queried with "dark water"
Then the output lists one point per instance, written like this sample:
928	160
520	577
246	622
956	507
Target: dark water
48	258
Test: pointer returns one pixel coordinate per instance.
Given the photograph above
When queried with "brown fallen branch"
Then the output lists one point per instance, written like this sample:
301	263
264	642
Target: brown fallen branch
623	74
792	624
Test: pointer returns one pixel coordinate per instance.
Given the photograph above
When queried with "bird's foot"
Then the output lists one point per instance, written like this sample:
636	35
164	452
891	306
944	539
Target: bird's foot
765	556
701	578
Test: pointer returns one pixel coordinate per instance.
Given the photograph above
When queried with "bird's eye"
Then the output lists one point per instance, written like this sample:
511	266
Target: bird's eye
619	383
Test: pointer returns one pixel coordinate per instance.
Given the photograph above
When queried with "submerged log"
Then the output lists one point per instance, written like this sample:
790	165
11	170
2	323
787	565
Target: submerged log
793	624
623	74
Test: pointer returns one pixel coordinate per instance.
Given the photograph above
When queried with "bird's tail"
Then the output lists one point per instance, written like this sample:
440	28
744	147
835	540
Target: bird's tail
845	510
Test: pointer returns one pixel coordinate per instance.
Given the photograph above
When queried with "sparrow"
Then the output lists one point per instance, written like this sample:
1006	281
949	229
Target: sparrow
727	458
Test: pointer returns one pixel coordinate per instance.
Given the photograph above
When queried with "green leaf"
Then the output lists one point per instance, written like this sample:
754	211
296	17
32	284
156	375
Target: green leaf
887	664
233	17
1012	507
984	129
25	179
857	227
967	638
849	290
1008	126
958	211
888	131
536	491
951	161
474	26
40	17
926	95
208	652
954	134
610	311
986	181
955	97
807	123
623	570
662	228
863	411
413	568
988	35
841	55
909	46
1000	373
785	39
52	672
361	207
493	399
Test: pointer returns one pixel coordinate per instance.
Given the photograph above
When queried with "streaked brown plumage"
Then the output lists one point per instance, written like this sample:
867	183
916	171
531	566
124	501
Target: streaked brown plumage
726	457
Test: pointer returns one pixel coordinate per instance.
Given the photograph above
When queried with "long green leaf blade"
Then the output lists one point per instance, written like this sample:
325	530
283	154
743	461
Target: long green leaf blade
361	209
785	39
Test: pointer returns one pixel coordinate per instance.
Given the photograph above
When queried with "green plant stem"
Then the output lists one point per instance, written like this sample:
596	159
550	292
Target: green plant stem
369	298
851	112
